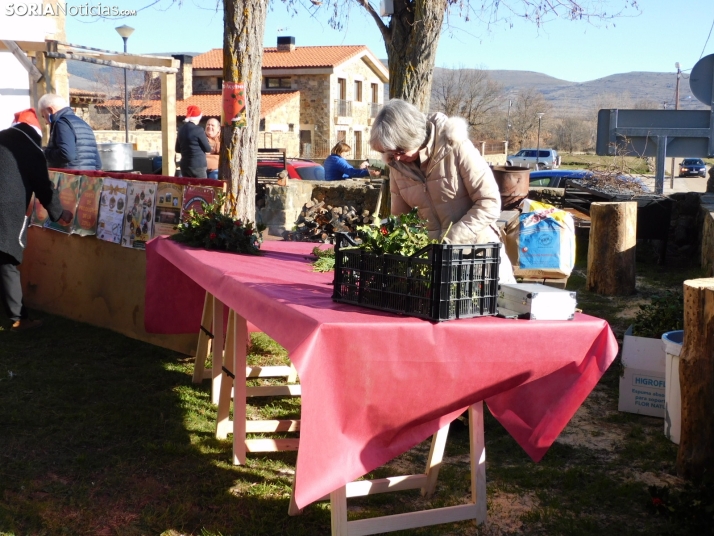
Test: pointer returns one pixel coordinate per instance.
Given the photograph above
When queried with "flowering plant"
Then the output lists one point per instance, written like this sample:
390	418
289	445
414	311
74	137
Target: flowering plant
214	229
399	235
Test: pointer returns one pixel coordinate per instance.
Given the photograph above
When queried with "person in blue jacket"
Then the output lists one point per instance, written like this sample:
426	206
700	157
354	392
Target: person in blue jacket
72	144
337	168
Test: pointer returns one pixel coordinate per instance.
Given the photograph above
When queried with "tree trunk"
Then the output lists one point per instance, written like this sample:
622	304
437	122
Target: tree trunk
696	378
611	252
414	32
244	26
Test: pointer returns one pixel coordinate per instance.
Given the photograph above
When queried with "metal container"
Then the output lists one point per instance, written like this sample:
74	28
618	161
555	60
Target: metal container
512	183
116	156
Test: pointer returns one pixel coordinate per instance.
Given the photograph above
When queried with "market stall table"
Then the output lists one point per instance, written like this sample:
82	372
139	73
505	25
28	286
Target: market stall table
374	384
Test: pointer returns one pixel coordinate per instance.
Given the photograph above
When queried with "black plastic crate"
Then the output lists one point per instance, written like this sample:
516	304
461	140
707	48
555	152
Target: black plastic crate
439	282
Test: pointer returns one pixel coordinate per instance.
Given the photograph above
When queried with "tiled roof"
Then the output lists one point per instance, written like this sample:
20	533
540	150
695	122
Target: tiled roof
301	57
210	105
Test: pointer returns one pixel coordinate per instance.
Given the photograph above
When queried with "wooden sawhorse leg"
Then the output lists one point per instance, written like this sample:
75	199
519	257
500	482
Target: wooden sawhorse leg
211	332
475	509
236	353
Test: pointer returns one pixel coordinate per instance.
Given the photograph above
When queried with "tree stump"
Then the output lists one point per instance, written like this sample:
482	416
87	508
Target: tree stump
696	380
611	251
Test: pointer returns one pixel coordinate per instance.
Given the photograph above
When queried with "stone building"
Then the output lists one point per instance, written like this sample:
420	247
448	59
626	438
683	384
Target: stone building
340	90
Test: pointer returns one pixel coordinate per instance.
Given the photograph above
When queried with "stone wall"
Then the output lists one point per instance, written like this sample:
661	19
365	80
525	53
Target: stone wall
143	140
282	128
279	206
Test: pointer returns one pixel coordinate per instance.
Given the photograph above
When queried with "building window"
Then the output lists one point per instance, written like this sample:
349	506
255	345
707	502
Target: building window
277	82
341	135
342	82
219	83
358	90
375	93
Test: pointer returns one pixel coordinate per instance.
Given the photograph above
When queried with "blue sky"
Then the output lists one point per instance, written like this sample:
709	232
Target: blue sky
664	33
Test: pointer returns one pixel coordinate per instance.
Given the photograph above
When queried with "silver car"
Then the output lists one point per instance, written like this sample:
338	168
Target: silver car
535	159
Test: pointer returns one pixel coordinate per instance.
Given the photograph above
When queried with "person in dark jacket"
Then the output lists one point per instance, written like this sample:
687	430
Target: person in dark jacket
23	171
72	143
337	168
193	145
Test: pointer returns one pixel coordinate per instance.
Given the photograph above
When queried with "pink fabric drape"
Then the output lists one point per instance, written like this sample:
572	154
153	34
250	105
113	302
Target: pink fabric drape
375	384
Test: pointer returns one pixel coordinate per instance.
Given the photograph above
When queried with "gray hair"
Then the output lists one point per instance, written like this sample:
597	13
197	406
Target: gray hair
52	100
399	125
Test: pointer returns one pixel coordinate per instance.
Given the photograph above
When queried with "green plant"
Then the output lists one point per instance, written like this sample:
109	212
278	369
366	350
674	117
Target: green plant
325	260
664	313
400	235
215	229
691	507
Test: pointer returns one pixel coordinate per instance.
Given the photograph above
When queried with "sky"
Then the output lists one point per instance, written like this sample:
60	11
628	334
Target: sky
665	32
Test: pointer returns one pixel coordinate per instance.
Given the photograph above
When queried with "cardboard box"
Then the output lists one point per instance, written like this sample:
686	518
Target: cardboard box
642	387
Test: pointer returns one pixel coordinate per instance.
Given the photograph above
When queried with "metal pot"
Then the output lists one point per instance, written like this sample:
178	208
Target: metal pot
116	156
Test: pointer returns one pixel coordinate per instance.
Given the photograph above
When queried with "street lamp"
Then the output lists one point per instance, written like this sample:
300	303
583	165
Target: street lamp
125	31
540	116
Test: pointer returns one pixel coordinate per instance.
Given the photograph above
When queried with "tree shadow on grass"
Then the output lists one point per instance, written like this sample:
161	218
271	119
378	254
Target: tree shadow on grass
104	435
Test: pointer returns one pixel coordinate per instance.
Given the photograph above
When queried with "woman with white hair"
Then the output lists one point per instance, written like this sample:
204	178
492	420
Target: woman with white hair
435	167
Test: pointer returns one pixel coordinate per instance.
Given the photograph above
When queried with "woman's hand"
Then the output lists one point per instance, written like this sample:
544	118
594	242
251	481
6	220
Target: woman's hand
375	172
364	165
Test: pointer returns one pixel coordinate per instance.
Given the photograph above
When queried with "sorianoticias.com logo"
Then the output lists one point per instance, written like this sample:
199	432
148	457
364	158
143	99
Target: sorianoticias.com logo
38	9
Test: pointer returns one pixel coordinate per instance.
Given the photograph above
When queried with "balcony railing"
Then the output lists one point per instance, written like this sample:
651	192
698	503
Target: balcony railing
343	108
374	109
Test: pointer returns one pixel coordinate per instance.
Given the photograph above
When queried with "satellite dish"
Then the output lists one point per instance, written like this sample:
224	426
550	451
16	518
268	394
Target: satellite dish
700	80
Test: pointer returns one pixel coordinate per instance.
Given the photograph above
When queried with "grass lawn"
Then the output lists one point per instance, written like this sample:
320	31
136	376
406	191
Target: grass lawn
103	435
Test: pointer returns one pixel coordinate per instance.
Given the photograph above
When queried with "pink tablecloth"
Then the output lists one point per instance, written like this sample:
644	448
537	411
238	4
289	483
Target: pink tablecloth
374	384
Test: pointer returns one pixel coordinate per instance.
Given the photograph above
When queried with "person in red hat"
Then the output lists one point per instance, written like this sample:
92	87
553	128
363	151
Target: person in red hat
23	171
193	145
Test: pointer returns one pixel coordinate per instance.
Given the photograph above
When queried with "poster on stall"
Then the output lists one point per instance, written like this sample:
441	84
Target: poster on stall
194	197
85	219
112	203
234	104
68	189
169	200
139	218
39	214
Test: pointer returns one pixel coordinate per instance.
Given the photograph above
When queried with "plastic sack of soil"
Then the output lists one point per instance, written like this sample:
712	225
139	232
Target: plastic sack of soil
540	243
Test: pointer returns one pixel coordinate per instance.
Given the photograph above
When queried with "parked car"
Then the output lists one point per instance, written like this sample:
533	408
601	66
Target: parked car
535	158
692	166
559	178
297	168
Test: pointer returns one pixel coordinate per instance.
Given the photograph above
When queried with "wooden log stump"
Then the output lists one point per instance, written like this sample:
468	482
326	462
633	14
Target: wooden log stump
611	252
696	379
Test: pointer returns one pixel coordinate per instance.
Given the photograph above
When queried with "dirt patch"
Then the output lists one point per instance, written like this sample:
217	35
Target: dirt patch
505	512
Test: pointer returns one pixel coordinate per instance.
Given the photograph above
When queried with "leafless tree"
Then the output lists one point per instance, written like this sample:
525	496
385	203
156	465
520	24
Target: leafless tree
572	134
467	93
524	117
411	35
108	112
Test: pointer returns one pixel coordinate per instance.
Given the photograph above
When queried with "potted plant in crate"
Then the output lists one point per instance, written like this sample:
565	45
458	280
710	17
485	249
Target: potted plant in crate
642	385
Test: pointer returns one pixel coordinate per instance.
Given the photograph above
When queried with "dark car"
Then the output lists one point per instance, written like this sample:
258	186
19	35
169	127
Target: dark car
692	166
555	178
559	178
306	170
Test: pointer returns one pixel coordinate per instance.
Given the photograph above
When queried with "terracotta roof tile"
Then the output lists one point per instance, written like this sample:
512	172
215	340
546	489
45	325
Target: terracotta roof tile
301	57
210	105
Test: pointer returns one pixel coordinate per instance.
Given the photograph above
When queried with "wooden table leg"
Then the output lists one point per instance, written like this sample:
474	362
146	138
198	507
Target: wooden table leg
223	424
240	362
478	461
433	464
204	337
217	350
338	508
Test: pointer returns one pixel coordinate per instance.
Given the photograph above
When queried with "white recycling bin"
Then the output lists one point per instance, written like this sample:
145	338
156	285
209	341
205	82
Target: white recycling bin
672	342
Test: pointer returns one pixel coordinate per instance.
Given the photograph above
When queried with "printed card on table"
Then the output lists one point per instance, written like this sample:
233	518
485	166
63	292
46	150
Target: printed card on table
194	197
39	214
85	218
68	189
169	200
139	218
112	205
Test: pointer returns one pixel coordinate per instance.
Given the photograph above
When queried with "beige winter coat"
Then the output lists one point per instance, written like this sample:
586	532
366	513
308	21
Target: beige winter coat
459	186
